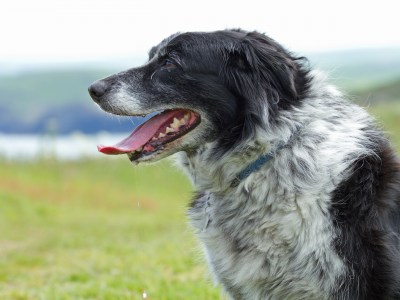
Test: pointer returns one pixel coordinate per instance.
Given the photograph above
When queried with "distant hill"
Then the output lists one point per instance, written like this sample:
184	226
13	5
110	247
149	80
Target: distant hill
57	100
358	70
32	92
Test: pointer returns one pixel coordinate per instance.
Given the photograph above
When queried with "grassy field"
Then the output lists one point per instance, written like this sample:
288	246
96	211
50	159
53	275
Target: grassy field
101	229
97	230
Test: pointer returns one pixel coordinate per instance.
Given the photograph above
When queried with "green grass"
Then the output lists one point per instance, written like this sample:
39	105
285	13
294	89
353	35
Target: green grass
74	230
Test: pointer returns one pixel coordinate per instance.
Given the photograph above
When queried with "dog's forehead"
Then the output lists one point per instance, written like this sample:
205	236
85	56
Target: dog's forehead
156	49
197	41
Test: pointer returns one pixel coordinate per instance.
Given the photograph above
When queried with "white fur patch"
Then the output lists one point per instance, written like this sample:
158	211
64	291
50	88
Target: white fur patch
126	101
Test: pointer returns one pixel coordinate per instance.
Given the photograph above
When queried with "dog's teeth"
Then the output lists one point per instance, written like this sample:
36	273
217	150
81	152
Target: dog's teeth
169	130
161	135
139	149
182	121
187	116
154	139
175	124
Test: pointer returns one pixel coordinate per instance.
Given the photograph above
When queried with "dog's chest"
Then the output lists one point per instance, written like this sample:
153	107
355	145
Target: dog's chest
265	249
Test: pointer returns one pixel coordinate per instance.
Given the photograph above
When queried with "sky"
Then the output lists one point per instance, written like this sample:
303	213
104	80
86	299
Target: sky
84	30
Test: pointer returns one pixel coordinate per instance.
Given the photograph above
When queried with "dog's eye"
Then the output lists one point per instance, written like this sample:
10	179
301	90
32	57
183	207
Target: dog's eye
169	64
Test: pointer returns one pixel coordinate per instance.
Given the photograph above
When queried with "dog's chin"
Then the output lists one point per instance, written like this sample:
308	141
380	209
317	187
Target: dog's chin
164	134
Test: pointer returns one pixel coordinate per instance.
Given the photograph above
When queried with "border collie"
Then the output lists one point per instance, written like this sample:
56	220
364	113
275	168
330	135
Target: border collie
298	190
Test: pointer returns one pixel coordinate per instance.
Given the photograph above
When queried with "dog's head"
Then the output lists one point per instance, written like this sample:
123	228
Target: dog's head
209	87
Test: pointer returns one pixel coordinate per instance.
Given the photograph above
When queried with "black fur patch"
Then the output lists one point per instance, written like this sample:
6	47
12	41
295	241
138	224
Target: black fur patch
366	214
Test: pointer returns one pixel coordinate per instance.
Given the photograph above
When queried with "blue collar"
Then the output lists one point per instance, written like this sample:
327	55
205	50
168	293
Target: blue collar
255	166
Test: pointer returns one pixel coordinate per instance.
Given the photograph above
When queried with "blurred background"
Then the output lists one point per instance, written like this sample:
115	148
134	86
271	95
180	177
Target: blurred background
75	224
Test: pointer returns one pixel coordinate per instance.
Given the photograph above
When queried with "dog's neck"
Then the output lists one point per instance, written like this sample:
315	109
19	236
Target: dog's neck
259	162
221	175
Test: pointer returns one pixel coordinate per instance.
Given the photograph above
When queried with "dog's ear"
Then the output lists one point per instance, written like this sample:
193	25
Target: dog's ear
264	77
273	66
238	77
262	71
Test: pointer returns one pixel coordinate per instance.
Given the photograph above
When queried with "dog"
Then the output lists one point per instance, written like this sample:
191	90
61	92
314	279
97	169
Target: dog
297	190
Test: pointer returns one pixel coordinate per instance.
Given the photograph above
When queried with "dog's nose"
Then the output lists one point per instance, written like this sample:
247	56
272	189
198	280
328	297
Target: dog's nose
97	90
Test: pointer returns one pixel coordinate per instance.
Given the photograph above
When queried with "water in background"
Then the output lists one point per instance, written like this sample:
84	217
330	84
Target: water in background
68	147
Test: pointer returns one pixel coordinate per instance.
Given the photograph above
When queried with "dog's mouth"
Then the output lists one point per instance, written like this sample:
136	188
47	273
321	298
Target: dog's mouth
155	135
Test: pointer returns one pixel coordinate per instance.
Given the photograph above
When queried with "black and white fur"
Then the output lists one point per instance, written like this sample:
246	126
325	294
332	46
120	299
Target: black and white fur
321	220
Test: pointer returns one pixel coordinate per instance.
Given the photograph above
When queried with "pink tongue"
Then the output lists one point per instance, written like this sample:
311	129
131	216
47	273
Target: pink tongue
140	136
